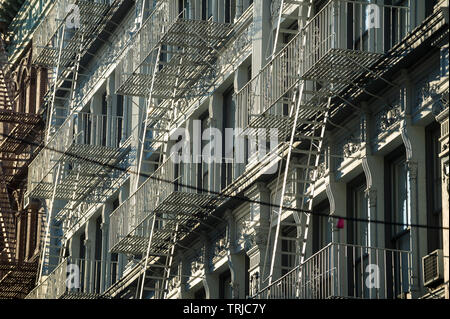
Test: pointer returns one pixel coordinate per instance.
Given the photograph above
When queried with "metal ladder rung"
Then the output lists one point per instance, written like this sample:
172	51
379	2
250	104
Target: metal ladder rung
159	254
154	289
307	152
303	181
288	31
156	266
304	166
154	277
298	196
308	137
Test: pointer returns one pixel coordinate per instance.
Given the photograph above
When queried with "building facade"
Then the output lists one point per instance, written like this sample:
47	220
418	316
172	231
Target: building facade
22	88
145	195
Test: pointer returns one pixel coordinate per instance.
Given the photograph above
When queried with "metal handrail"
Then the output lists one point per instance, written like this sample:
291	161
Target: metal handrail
319	277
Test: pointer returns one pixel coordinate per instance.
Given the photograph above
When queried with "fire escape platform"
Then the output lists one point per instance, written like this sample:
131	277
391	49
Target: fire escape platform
18	281
182	208
283	123
338	67
196	43
341	66
17	139
91	16
94	164
8	116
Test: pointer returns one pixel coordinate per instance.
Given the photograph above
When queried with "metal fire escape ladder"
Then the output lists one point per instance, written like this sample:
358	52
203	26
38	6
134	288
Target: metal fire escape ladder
50	238
306	138
6	219
161	287
63	75
6	93
47	256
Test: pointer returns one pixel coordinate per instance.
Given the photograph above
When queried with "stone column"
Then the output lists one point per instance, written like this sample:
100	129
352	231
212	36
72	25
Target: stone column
183	270
89	264
74	247
137	118
413	138
211	282
236	260
215	140
106	277
95	109
442	118
124	192
261	35
258	272
337	196
239	8
111	112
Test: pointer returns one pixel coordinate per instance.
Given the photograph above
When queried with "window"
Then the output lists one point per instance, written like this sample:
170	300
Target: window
203	168
322	227
206	9
178	171
225	290
229	121
184	6
357	27
360	210
120	120
288	249
200	294
103	119
434	186
358	235
399	204
429	6
397	210
395	23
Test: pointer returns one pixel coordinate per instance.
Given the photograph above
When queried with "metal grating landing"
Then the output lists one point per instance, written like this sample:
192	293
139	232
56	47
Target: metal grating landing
7	116
94	164
340	66
197	42
196	34
18	281
186	209
308	111
18	139
80	295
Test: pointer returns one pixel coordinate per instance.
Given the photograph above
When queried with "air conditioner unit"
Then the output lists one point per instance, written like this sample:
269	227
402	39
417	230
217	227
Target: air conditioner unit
433	272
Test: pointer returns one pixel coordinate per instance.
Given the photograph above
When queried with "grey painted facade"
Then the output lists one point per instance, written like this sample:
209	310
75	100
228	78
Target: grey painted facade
385	164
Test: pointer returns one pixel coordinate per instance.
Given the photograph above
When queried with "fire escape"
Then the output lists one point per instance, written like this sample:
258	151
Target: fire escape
326	63
169	64
20	135
85	155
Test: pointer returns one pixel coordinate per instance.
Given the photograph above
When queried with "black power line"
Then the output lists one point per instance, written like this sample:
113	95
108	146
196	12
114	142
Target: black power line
221	194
